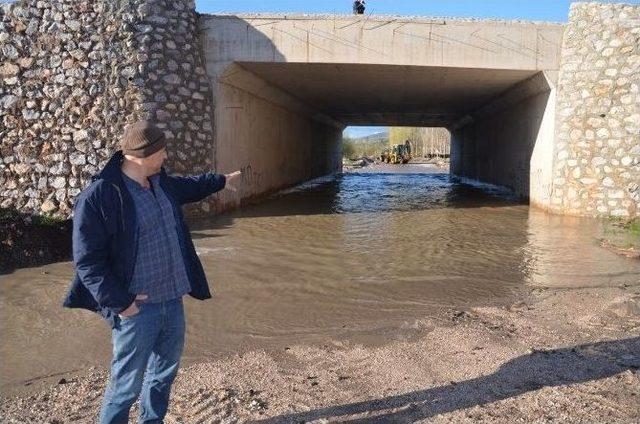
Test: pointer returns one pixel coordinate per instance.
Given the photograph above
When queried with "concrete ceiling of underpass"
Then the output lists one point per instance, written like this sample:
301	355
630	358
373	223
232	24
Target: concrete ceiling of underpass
387	94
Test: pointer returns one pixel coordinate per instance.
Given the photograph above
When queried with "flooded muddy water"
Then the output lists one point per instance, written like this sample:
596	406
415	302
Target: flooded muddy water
362	257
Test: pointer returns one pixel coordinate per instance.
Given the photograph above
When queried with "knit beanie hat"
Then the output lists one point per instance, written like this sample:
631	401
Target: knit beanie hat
142	139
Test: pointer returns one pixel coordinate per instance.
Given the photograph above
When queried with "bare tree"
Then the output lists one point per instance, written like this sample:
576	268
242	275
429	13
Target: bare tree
426	142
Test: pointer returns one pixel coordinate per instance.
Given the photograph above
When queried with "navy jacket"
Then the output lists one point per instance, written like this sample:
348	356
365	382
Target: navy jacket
105	238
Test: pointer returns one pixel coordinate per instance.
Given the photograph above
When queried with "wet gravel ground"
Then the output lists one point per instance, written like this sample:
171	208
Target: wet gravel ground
558	355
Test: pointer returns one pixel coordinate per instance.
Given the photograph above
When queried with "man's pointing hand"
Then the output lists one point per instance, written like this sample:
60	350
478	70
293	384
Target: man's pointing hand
230	177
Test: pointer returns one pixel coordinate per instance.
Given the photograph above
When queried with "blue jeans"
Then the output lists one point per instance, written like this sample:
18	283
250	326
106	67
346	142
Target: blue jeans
151	340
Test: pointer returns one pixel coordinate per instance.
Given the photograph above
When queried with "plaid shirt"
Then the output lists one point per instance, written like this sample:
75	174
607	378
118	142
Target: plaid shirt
159	269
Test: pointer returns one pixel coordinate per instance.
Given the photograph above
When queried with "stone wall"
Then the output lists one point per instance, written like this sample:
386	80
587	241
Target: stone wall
75	72
597	146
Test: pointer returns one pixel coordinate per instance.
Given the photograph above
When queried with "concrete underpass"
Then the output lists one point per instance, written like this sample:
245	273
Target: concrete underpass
284	88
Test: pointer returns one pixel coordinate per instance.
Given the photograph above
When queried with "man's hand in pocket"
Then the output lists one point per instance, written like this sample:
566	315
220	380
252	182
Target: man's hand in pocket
133	308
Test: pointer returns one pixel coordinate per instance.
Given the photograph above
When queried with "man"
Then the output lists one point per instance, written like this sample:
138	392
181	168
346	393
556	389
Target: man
358	7
134	260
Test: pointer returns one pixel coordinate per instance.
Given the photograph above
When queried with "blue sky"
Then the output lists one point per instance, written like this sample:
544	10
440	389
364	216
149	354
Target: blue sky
356	132
543	10
538	10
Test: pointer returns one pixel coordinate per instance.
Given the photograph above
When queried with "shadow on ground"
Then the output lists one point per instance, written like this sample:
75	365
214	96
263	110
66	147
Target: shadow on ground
521	375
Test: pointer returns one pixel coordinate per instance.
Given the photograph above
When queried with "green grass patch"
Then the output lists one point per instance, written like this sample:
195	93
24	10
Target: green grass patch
624	233
47	220
634	227
8	215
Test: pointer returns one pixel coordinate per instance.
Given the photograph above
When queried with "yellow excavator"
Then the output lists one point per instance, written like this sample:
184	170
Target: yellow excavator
400	153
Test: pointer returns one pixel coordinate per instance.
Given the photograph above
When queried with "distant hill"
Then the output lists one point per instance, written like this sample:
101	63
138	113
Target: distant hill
370	145
373	138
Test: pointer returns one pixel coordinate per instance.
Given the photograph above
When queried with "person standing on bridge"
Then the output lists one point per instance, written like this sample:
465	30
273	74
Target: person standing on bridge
358	7
134	261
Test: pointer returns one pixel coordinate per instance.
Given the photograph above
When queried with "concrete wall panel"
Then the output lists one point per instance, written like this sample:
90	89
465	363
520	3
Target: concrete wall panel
275	146
497	142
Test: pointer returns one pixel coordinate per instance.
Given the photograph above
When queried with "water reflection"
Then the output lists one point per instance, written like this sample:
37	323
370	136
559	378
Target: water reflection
565	252
360	257
362	192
